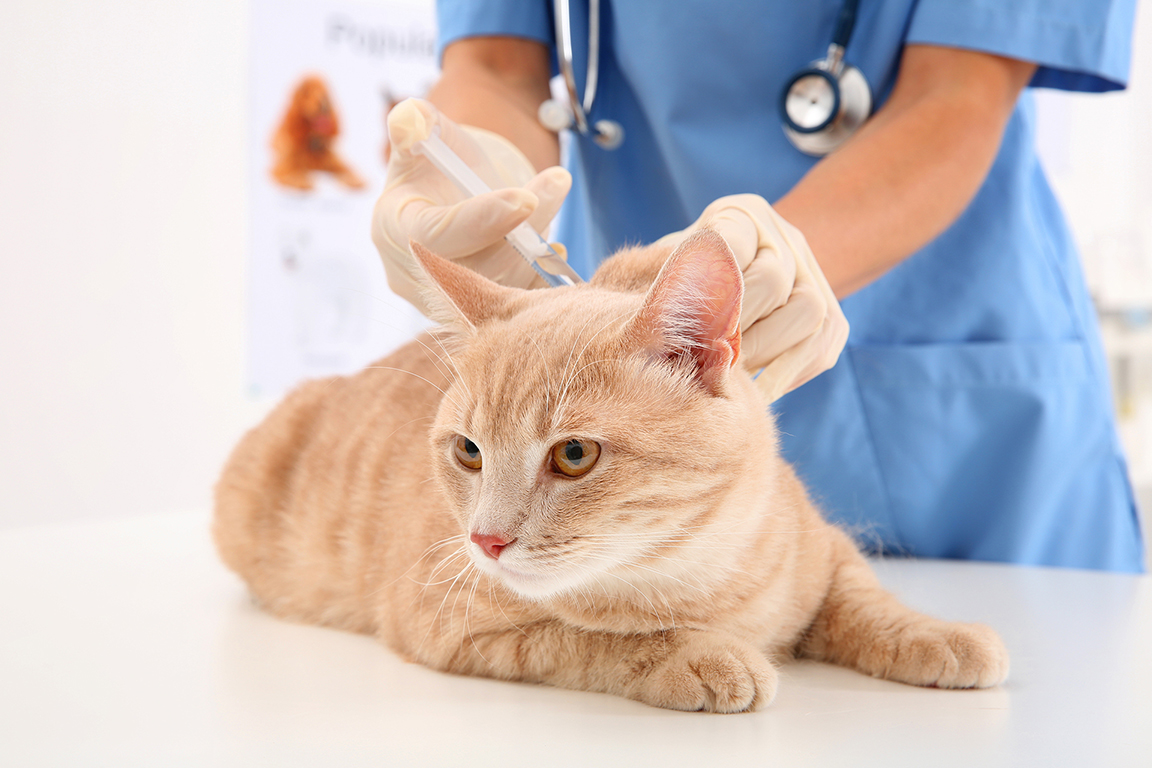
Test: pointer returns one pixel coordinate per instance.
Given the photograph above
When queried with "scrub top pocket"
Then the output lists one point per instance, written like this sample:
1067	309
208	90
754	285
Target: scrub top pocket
998	451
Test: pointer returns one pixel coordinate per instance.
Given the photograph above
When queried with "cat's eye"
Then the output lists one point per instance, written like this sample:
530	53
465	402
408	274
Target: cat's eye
467	453
575	457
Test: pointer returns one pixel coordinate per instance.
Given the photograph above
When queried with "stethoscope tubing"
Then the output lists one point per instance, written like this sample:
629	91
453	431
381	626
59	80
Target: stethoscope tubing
580	106
607	133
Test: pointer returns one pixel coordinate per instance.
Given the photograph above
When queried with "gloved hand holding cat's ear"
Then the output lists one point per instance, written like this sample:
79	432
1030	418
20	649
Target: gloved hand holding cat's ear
420	203
791	324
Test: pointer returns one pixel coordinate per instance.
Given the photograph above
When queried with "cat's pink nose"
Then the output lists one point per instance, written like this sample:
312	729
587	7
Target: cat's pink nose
491	543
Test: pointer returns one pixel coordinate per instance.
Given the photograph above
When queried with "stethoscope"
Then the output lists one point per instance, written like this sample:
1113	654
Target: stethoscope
821	105
557	116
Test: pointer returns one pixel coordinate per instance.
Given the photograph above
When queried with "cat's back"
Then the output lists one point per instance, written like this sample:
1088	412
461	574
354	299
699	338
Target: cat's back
303	498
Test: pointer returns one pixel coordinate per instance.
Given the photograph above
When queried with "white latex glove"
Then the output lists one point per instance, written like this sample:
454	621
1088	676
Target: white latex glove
420	203
791	325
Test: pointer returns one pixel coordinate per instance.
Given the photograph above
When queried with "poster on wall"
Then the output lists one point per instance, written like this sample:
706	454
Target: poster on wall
323	77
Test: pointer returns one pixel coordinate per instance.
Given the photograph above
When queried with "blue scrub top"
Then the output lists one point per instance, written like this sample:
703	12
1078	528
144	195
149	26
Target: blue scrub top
970	415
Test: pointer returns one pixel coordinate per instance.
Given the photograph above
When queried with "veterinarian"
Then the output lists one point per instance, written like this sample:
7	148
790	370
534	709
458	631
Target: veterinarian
969	415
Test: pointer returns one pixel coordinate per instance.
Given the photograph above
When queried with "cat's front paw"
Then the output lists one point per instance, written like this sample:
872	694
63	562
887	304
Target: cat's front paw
949	655
711	673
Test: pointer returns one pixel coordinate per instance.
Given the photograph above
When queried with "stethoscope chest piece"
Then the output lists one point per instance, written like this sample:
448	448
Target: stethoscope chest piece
821	107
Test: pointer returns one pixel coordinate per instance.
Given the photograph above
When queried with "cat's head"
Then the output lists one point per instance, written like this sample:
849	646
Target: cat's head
589	433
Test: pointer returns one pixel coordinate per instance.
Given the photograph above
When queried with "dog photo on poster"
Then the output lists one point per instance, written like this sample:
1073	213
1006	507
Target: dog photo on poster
323	77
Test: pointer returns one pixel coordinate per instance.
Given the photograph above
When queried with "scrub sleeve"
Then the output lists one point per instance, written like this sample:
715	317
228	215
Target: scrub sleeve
970	415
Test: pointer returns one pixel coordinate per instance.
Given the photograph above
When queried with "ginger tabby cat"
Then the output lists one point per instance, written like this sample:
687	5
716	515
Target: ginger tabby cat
575	486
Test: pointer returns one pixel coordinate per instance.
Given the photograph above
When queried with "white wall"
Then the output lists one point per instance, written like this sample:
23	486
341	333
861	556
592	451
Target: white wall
1097	154
124	226
123	213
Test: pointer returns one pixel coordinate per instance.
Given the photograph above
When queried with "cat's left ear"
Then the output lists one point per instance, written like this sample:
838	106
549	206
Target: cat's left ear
692	310
457	296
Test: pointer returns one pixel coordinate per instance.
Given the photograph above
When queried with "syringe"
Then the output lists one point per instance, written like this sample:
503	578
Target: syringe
523	239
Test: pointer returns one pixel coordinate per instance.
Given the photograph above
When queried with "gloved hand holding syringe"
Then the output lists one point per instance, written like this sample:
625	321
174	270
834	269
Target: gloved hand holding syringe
421	203
525	240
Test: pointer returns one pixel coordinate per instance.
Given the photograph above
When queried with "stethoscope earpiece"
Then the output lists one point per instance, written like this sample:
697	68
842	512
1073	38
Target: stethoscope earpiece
555	116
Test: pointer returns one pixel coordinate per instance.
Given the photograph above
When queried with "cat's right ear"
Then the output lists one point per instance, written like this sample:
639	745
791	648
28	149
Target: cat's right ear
455	295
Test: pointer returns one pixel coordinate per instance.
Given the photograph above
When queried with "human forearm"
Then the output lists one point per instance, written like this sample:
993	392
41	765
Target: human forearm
912	169
498	83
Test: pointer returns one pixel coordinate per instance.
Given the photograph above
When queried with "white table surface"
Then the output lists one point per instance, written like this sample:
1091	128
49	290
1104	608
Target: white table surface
127	643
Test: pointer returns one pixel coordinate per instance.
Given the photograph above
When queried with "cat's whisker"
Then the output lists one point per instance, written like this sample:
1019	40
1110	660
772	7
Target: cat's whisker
632	564
685	530
467	624
655	612
432	621
458	377
433	357
547	370
568	361
567	384
444	367
587	595
667	604
495	597
699	567
472	568
700	586
443	565
590	364
428	551
410	373
446	540
583	591
455	559
439	615
612	321
669	538
724	567
425	585
666	540
679	538
405	424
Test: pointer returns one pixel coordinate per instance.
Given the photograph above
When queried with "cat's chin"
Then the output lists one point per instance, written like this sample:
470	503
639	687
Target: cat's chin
531	586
